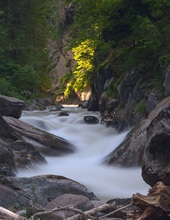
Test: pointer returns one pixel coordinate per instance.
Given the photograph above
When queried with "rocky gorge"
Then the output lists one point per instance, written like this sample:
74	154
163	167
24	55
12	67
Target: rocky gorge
24	146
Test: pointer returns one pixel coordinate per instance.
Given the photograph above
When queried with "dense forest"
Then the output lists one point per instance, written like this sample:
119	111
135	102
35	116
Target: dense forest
24	31
118	33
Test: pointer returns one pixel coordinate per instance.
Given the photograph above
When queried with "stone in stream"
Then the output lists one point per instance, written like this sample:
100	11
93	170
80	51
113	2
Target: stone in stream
10	106
91	119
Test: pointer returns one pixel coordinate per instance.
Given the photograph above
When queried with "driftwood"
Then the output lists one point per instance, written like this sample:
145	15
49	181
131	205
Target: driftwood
105	207
156	205
8	215
86	215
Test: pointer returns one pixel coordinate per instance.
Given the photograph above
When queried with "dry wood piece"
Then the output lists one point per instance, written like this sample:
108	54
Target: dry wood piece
156	205
81	215
8	215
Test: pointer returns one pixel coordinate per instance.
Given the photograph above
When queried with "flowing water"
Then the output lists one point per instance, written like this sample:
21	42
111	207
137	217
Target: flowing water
93	143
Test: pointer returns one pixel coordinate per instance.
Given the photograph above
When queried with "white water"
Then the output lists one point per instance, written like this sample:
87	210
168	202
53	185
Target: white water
93	143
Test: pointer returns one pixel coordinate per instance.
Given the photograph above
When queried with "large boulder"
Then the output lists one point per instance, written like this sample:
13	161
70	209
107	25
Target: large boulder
10	106
130	152
135	150
78	201
38	191
156	160
44	142
23	146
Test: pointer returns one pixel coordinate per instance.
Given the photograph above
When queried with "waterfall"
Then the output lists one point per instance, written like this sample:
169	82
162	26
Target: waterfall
93	143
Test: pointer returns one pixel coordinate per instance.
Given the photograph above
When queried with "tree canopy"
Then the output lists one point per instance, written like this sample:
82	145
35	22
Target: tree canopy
125	33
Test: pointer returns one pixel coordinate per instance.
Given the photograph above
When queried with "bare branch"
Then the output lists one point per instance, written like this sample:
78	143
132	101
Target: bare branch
6	214
117	210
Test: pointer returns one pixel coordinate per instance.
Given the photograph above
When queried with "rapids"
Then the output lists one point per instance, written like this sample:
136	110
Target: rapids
93	143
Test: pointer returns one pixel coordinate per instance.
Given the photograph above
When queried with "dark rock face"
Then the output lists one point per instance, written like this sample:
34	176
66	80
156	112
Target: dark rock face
93	104
10	106
167	82
156	160
127	85
91	119
7	165
38	191
98	88
130	152
135	150
130	97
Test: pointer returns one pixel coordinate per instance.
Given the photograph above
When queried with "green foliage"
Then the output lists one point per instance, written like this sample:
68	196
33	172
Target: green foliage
26	78
68	63
141	107
164	60
79	79
6	87
24	31
124	33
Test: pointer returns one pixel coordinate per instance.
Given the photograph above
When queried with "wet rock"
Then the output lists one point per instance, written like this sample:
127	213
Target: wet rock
130	152
26	156
135	150
42	141
22	145
10	106
38	191
91	119
156	166
7	164
11	197
63	113
153	100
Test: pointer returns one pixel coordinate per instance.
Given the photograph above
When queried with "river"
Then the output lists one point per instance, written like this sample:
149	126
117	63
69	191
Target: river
93	143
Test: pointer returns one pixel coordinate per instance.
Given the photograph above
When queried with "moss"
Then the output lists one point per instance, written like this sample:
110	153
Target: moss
141	108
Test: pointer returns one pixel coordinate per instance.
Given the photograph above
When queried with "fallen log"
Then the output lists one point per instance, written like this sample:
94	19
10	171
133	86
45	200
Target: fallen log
8	215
